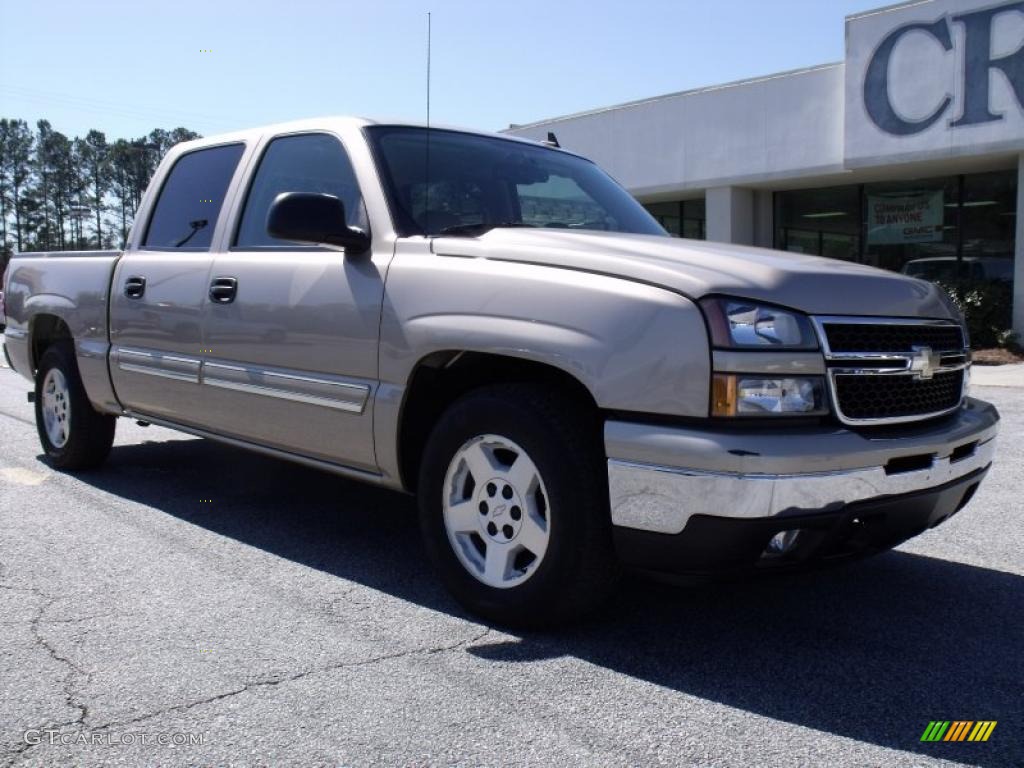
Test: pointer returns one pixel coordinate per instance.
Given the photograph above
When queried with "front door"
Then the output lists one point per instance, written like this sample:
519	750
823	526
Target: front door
291	331
159	290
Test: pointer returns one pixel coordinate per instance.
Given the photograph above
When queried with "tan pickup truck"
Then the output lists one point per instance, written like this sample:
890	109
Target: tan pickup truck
498	327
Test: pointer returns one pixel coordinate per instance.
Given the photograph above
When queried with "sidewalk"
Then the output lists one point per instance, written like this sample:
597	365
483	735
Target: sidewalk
998	375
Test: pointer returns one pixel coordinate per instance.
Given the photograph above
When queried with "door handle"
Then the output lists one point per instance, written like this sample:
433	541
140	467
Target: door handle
223	290
135	287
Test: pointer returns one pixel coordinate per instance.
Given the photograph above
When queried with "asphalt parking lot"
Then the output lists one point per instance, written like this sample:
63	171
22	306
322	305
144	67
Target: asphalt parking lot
191	591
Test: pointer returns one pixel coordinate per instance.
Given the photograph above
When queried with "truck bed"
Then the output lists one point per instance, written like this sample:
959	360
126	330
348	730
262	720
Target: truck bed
72	287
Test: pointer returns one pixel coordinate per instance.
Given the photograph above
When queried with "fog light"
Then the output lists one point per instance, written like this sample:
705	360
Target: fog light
782	542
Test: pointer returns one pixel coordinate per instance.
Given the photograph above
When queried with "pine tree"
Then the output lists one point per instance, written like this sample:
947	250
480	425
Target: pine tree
121	174
5	184
17	159
54	188
96	157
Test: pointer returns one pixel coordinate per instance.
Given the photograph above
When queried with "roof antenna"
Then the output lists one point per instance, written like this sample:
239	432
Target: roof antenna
552	140
426	173
428	69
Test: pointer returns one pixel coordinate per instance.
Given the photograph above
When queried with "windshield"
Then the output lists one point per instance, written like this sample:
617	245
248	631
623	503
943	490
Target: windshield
476	183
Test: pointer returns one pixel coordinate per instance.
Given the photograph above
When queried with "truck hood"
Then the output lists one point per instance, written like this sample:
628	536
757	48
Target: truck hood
697	268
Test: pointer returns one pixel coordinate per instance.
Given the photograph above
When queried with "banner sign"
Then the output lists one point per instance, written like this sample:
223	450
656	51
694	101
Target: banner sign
905	219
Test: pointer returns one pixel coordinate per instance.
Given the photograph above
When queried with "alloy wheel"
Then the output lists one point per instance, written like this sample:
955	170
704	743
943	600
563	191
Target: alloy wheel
496	511
56	407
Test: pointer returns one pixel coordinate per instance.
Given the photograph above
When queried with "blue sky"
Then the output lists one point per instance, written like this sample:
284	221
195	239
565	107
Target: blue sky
127	67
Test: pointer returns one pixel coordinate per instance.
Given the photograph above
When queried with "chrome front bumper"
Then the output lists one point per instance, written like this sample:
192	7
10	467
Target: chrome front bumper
659	477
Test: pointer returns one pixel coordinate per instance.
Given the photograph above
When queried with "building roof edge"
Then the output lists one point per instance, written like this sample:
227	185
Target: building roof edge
673	95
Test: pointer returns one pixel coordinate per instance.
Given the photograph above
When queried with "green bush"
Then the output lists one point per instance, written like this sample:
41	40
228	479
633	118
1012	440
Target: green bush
987	307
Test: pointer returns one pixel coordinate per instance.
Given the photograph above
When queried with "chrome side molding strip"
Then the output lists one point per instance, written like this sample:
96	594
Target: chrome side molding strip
158	364
329	393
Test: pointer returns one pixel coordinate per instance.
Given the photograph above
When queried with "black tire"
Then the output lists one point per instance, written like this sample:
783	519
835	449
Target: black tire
90	434
564	442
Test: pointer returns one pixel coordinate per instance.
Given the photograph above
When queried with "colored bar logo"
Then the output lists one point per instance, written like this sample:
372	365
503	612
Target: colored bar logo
958	730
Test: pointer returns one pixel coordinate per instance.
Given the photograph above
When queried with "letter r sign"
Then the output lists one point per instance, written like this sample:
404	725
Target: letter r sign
978	61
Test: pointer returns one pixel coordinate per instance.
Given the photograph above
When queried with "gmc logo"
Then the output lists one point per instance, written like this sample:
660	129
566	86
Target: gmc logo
978	60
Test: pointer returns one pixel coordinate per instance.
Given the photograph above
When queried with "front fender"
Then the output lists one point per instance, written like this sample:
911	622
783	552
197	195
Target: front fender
635	347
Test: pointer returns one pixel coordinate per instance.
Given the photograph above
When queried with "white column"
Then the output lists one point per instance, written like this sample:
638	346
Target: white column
1018	271
730	212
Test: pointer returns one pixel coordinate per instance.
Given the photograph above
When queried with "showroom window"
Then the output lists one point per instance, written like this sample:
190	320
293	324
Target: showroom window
669	215
683	218
989	223
822	222
911	225
950	228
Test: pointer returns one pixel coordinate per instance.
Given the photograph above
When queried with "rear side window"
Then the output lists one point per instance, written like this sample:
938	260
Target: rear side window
311	162
190	201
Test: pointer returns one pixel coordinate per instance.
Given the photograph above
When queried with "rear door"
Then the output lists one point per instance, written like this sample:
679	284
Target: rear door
292	335
160	288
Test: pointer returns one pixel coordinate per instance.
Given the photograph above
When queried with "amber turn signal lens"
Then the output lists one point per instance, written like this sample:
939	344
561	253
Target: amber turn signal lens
755	395
723	395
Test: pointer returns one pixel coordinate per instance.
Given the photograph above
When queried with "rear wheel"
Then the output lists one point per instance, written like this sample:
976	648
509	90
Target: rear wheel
73	434
513	506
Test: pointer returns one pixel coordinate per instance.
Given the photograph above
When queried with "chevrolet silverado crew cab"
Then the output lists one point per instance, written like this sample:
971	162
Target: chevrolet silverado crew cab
498	327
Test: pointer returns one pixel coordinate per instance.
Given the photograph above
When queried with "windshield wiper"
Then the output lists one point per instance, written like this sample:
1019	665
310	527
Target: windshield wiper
480	227
196	226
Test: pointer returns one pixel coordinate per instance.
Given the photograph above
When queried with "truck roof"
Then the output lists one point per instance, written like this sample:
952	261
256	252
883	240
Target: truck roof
332	122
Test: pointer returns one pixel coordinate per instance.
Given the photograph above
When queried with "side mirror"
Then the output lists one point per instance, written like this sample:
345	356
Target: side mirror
314	217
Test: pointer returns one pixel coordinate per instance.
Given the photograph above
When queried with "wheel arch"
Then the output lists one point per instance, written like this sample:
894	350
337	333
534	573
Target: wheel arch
441	378
45	330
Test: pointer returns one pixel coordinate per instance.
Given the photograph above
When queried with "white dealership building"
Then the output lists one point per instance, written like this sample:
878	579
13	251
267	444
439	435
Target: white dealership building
908	155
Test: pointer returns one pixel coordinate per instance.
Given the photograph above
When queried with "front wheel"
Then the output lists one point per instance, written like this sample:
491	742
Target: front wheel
514	506
73	434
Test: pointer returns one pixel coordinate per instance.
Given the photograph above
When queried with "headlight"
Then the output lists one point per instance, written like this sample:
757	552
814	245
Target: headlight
743	324
756	395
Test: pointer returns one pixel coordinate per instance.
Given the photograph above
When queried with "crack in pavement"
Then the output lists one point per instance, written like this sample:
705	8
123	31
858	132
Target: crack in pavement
71	695
16	417
72	699
49	622
273	682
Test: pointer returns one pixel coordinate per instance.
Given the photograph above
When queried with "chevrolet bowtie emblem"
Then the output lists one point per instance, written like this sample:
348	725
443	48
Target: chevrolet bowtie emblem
924	362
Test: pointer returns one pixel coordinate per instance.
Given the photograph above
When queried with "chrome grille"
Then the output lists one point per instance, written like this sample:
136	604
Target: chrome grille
862	337
884	371
883	397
